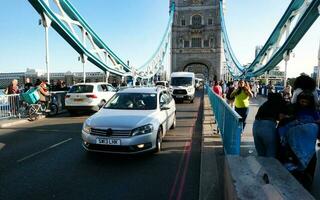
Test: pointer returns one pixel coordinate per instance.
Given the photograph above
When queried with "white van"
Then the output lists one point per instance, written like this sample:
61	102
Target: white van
182	85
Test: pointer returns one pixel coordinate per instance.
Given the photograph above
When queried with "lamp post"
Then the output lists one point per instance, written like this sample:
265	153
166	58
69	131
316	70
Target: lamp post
286	57
83	59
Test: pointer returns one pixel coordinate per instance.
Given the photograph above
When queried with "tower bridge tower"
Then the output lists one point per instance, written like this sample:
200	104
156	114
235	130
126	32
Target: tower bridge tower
196	38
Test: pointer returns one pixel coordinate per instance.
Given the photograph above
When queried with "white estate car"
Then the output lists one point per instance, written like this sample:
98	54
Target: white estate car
134	120
88	96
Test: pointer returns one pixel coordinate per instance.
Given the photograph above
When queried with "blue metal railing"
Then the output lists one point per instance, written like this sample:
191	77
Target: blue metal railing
229	123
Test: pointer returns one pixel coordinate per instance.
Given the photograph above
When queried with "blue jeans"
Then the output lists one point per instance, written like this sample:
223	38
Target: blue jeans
265	137
243	112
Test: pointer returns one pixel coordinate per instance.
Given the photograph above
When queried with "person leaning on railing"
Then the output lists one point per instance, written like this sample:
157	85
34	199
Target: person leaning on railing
11	90
241	103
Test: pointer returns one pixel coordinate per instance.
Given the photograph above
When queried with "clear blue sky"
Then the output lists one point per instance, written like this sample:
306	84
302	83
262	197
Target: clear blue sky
133	29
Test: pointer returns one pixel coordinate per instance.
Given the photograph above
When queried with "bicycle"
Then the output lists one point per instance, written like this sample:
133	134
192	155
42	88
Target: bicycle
32	108
40	108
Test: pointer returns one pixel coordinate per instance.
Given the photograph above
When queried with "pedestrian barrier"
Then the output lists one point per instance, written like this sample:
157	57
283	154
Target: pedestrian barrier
9	106
229	123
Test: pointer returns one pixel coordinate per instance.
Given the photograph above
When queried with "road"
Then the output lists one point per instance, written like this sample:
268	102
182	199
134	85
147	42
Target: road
45	160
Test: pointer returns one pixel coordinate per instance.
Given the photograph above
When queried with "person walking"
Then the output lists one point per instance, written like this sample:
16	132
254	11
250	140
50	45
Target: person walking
264	128
287	95
254	89
242	95
217	88
229	90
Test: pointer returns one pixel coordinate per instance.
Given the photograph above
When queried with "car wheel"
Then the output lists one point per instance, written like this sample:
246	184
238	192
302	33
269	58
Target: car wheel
191	101
159	140
174	124
53	110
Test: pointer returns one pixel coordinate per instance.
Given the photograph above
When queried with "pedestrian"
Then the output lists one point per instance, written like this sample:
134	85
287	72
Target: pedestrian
44	95
264	128
270	88
242	95
304	83
229	90
254	89
287	95
298	138
217	89
27	85
13	88
13	99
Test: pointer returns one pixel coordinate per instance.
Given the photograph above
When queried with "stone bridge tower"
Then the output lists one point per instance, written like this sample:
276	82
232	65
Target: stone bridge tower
196	38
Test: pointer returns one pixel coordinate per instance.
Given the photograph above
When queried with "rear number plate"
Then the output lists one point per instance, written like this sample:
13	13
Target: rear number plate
78	100
104	141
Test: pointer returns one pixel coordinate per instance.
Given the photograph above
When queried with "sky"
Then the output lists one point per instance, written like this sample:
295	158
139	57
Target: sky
133	29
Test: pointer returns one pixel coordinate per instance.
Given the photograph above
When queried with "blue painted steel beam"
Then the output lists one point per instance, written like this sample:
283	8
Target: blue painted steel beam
304	24
42	8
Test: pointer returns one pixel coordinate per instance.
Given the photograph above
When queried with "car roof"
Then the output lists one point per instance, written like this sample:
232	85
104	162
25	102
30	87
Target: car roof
142	90
92	83
162	82
182	74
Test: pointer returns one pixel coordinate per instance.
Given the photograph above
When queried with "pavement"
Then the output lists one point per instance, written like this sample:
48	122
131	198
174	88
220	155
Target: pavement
6	123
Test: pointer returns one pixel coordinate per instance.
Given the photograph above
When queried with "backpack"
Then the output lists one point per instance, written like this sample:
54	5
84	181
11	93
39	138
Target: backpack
229	92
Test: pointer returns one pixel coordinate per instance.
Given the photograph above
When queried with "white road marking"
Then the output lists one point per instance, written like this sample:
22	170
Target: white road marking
46	149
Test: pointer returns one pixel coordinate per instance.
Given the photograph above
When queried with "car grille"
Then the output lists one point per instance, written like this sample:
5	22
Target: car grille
109	132
179	91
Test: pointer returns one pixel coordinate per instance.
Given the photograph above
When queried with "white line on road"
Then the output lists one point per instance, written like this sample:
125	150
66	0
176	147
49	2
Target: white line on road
46	149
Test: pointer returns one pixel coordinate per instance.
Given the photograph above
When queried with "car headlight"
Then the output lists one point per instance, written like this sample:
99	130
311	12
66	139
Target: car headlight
189	90
142	130
86	128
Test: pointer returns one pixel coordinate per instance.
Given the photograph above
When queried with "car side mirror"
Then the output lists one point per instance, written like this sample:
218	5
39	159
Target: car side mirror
165	107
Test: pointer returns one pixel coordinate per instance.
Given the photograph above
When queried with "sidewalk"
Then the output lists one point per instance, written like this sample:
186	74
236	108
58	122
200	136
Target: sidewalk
6	123
247	143
212	154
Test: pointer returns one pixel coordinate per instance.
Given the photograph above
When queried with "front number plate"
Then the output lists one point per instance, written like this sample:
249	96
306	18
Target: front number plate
104	141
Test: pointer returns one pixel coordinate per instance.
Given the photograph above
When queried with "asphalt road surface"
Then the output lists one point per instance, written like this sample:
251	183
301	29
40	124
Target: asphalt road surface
45	160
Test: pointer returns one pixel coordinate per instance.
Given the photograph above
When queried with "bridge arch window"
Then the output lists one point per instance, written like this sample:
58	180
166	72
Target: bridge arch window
186	44
212	42
206	43
183	22
196	20
196	42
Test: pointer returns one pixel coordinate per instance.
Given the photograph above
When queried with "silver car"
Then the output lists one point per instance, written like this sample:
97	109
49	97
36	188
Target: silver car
134	120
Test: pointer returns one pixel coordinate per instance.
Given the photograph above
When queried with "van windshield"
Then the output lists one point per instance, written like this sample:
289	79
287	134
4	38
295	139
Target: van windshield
181	81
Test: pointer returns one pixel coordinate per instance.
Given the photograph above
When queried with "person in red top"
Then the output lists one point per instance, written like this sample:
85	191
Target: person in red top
217	89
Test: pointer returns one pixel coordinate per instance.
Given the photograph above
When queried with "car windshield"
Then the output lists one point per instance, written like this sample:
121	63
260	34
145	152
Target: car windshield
133	101
181	81
81	89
